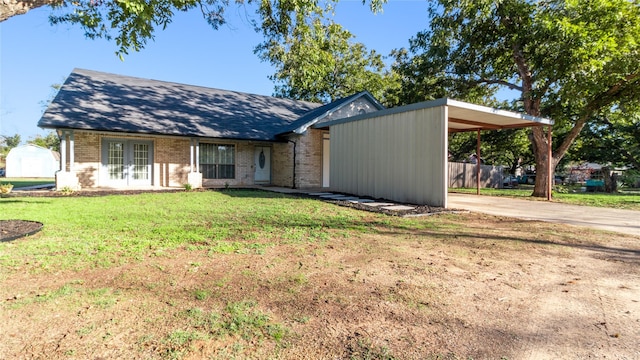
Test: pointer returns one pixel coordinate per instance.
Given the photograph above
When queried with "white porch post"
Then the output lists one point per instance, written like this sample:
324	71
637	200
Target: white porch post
63	151
191	149
197	156
67	178
194	178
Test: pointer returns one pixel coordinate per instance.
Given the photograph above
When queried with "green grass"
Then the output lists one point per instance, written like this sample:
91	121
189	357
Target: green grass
242	322
99	232
24	182
621	200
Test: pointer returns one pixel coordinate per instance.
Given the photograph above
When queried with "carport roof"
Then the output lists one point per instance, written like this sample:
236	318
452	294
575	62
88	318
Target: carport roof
463	116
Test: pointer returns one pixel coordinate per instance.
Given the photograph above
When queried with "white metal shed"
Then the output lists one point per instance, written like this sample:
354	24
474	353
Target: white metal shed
400	154
32	161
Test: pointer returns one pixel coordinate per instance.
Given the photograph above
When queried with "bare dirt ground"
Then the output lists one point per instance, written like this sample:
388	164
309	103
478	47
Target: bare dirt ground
485	287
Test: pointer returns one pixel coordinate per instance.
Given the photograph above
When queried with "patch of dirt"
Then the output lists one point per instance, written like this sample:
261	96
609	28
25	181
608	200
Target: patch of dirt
14	229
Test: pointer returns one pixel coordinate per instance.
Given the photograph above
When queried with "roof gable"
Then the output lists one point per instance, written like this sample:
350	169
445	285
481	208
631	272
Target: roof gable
360	103
91	100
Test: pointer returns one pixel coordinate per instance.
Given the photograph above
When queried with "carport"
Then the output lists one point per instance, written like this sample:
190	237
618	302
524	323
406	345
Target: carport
401	154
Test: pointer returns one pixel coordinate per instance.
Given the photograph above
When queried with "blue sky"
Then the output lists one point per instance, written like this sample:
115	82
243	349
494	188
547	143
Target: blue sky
34	55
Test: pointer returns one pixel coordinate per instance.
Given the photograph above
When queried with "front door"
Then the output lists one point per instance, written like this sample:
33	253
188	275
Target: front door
126	162
262	165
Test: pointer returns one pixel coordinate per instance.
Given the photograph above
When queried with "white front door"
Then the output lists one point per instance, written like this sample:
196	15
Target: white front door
262	165
325	162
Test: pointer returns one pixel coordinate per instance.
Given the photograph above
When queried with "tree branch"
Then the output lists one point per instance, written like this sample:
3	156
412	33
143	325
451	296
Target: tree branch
9	8
500	82
597	102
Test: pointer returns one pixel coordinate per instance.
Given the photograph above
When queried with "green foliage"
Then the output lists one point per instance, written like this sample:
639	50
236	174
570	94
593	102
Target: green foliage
66	190
630	178
7	143
567	60
315	58
132	23
50	141
614	139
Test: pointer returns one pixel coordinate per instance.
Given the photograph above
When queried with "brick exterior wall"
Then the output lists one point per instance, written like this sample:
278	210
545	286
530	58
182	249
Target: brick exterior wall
282	164
309	159
171	160
86	158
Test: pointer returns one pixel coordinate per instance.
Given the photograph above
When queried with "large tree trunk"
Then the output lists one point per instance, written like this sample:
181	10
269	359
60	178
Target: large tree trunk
9	8
610	180
540	145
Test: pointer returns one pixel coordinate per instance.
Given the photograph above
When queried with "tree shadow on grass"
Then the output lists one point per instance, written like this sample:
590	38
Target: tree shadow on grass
467	239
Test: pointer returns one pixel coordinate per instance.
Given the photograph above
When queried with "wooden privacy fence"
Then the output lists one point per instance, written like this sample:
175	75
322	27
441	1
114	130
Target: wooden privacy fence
464	175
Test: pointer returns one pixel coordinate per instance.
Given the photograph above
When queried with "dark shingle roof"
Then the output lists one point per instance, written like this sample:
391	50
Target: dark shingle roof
91	100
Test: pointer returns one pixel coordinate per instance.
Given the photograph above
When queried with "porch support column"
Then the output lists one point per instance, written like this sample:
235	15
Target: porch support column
191	150
550	176
71	151
63	151
67	179
194	177
197	169
478	163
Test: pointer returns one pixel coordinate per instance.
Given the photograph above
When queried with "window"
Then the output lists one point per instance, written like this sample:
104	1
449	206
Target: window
217	161
115	162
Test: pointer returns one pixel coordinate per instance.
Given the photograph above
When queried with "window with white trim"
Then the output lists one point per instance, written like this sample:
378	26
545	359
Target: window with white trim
217	161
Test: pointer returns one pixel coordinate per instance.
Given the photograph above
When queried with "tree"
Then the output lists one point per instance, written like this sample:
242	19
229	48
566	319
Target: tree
50	141
567	60
316	59
133	22
6	144
9	142
614	140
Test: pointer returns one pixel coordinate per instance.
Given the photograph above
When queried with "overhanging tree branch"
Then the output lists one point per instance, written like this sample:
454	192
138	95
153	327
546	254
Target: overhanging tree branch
499	82
9	8
597	102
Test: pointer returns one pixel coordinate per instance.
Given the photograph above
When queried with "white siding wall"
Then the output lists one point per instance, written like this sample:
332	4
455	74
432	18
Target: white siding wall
400	157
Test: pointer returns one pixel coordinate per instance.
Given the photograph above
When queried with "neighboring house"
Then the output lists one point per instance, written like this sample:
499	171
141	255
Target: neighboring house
123	132
32	161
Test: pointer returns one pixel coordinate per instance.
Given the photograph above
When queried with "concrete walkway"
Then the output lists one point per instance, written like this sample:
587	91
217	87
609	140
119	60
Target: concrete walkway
624	221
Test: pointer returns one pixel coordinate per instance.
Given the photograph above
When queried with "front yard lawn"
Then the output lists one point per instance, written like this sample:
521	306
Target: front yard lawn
241	274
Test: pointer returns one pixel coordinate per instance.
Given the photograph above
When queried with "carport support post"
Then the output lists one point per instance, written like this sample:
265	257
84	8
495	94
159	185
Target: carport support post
549	164
478	164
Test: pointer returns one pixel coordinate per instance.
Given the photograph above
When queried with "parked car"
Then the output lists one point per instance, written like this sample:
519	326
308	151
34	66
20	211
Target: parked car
510	182
2	172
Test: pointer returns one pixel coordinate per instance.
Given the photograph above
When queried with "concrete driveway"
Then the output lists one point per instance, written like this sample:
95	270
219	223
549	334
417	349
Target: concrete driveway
624	221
